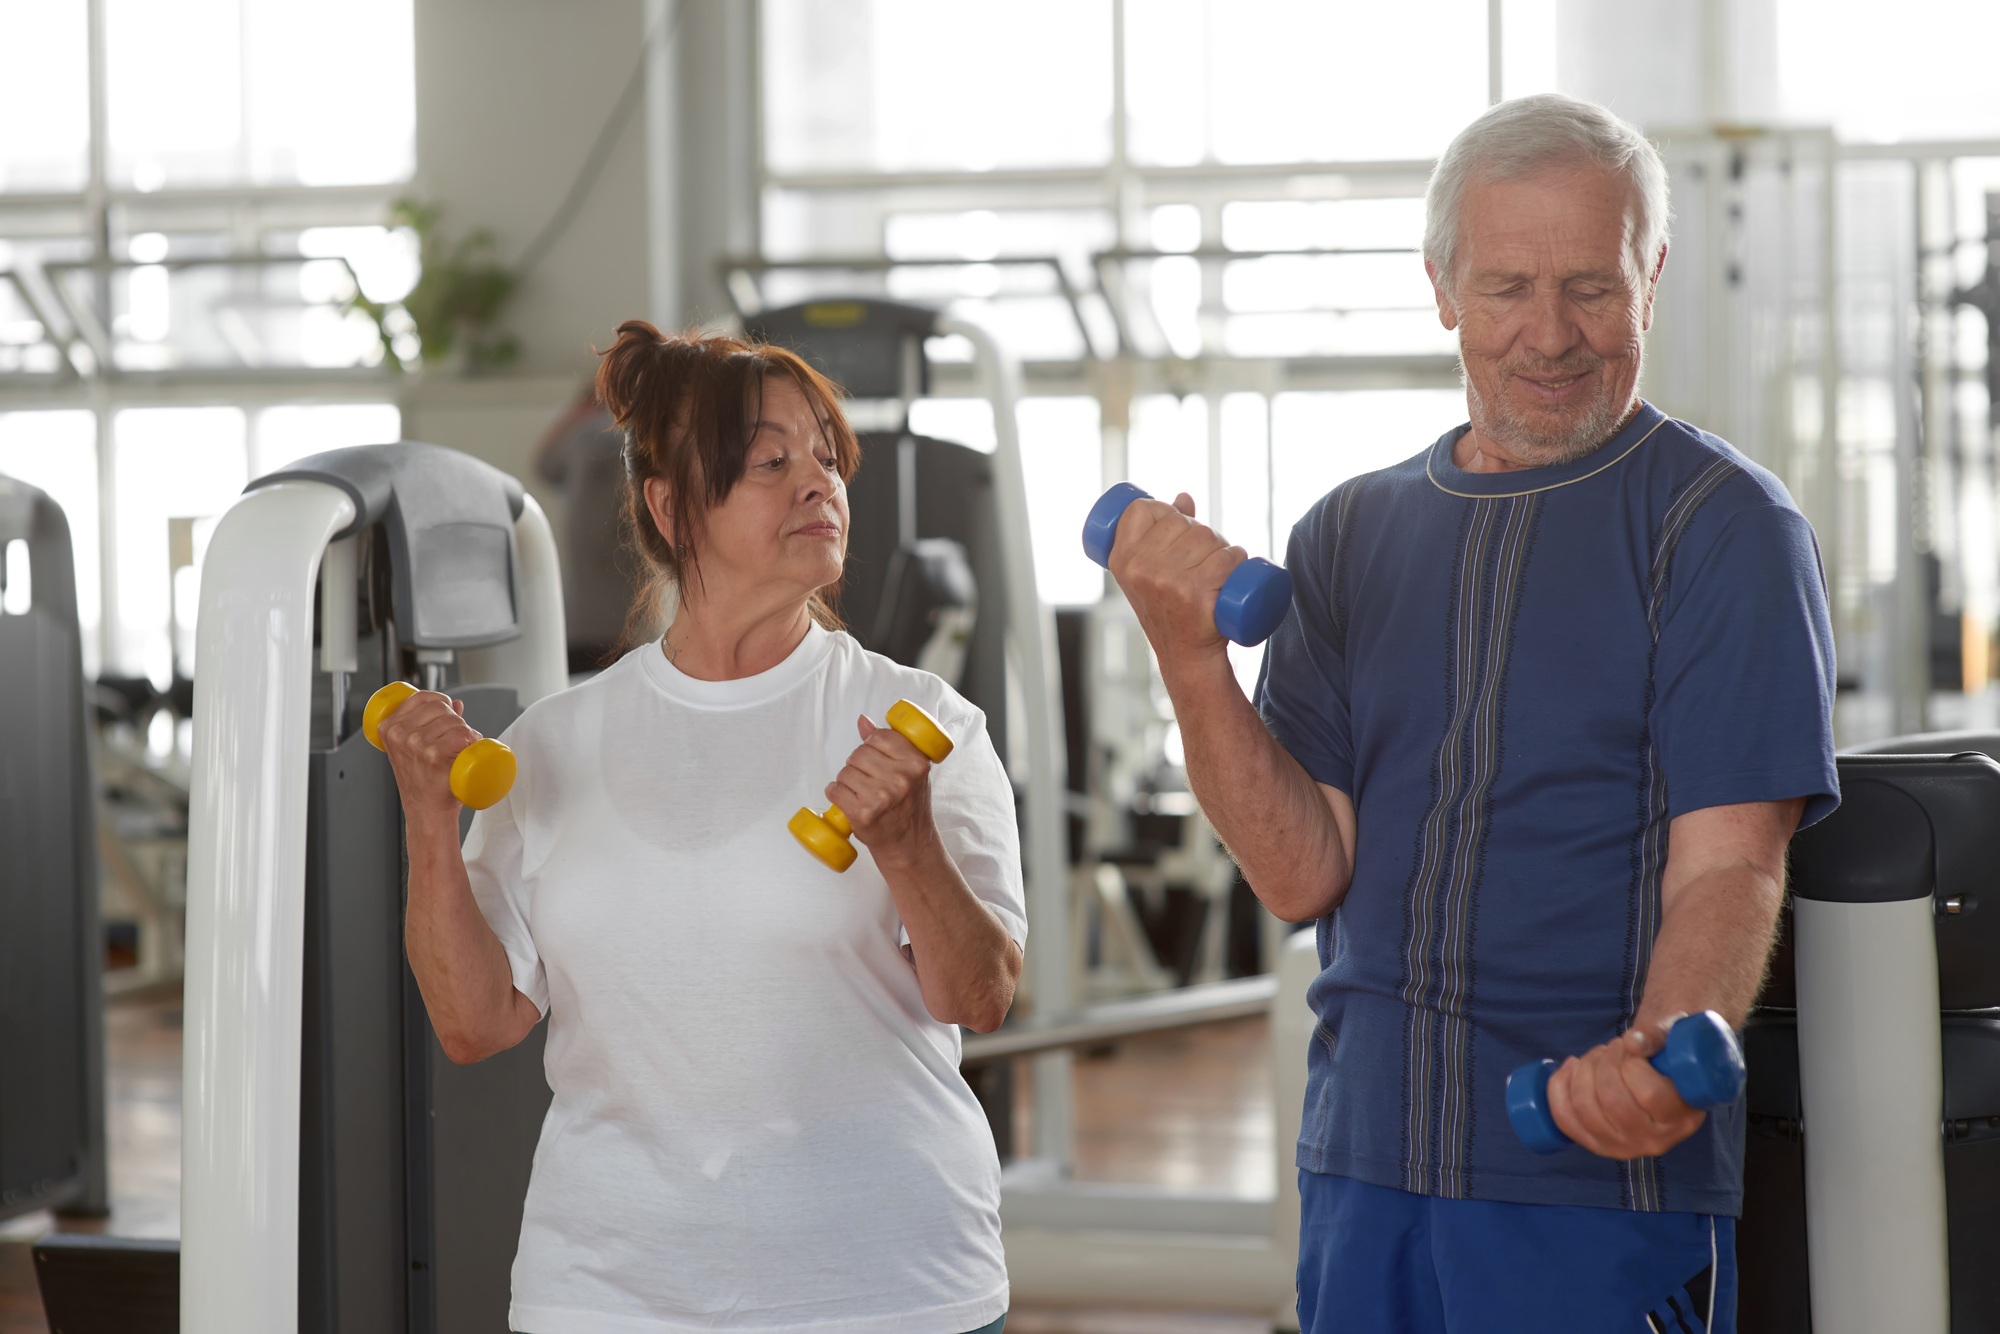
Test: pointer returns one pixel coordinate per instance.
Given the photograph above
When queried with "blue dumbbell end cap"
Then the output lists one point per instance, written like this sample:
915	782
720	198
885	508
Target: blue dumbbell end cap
1253	601
1528	1107
1703	1059
1100	527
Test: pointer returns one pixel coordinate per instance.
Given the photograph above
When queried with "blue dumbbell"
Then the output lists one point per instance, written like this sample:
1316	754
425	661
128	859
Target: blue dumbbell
1700	1056
1253	599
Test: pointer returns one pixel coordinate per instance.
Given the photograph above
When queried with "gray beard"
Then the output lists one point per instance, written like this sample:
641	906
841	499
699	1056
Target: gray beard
1543	449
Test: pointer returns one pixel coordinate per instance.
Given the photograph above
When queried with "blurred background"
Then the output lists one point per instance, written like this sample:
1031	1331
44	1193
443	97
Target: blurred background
235	232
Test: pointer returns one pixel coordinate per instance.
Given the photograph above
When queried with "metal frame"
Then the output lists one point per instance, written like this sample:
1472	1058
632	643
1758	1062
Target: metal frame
85	327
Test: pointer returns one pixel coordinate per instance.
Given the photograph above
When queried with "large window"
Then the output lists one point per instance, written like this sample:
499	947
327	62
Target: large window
227	92
1251	81
250	151
1919	69
44	96
902	85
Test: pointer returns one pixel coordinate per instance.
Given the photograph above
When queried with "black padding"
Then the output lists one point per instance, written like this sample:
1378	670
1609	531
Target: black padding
859	343
954	489
1972	1075
926	580
1774	1295
1908	826
1972	1167
449	519
51	946
109	1285
1934	743
1877	848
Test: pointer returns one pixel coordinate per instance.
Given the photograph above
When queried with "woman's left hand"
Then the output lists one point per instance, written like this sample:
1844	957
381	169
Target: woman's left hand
885	790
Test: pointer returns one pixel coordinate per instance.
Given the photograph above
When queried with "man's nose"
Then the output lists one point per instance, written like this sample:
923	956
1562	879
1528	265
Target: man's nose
1549	331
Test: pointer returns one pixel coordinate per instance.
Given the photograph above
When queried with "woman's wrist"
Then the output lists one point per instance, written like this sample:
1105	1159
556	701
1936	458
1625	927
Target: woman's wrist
920	847
430	826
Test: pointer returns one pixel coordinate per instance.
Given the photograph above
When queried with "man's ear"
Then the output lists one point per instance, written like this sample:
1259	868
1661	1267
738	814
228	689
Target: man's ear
660	504
1653	288
1447	313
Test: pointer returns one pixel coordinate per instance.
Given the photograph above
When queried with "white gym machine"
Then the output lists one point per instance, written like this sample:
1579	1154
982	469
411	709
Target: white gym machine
247	860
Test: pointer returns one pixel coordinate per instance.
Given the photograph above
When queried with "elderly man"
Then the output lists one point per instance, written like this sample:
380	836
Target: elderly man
1552	698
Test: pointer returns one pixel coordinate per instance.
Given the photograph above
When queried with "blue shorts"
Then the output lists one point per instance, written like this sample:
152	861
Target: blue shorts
1373	1260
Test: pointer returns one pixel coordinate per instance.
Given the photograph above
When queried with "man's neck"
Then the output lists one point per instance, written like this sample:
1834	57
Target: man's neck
1476	451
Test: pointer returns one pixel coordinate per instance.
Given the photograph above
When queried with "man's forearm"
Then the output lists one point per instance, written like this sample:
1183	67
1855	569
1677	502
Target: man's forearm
1715	939
1269	813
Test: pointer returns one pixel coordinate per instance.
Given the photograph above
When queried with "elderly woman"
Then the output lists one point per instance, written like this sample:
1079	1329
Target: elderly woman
758	1120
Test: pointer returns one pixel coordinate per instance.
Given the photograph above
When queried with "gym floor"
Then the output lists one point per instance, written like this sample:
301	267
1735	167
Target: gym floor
1189	1110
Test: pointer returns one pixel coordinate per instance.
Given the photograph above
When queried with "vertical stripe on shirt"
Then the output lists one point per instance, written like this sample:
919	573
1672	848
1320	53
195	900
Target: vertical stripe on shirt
1495	539
1642	1187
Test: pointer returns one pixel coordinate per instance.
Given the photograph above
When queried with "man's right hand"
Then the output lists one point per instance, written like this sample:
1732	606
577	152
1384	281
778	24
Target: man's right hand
422	736
1171	568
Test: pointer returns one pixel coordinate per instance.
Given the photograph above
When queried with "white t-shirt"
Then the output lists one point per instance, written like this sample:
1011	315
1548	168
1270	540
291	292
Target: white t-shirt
757	1125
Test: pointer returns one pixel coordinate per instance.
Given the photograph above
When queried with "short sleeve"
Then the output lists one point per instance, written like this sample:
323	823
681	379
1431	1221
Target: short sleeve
972	803
1302	692
493	865
1744	674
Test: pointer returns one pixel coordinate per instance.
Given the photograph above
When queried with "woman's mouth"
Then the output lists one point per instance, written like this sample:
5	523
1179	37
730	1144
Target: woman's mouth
822	529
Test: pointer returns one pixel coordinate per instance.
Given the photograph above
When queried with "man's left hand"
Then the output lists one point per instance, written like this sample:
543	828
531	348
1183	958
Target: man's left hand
1614	1103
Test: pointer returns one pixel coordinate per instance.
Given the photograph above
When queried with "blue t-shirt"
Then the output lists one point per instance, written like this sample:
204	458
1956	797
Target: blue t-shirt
1521	678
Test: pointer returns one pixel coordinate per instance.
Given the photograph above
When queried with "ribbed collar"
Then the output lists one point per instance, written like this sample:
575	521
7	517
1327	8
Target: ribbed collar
676	684
1449	477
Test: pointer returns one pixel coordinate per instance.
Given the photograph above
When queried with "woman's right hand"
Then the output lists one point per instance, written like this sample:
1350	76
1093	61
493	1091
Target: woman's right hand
422	738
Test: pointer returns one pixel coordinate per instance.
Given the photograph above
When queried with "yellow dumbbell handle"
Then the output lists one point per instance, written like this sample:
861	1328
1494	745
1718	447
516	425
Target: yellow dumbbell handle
828	835
483	772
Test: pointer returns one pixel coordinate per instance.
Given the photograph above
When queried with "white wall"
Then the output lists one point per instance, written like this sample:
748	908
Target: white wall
510	96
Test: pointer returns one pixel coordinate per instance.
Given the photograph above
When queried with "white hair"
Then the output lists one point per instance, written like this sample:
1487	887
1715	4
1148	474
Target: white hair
1527	135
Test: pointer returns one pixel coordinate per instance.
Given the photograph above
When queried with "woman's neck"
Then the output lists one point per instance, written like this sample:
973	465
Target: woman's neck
710	642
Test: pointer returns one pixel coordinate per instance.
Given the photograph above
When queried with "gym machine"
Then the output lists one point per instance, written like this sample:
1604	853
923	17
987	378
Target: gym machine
338	1173
941	575
51	944
1872	1163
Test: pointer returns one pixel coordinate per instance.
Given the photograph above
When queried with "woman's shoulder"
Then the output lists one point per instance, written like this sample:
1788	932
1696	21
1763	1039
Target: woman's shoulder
559	714
881	681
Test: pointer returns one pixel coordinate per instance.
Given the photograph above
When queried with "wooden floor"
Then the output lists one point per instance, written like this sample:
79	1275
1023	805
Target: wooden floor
1190	1110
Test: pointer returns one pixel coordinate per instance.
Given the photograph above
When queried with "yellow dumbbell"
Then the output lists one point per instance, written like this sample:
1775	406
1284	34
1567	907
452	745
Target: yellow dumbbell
827	836
483	772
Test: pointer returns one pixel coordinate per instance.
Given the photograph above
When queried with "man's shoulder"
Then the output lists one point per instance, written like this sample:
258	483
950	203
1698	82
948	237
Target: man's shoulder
1325	518
1689	466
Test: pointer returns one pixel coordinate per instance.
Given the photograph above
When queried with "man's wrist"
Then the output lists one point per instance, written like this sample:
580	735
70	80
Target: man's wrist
1196	673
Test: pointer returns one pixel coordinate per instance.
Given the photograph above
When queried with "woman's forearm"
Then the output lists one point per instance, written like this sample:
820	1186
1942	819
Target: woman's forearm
1279	824
459	964
967	965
